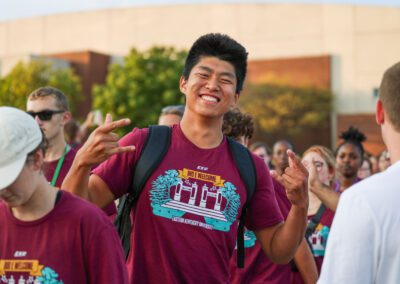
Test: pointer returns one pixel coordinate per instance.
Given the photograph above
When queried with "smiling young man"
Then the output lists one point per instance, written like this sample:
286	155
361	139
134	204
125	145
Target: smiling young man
185	219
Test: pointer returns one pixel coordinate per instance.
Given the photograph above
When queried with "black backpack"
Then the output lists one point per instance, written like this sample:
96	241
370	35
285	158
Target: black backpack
154	150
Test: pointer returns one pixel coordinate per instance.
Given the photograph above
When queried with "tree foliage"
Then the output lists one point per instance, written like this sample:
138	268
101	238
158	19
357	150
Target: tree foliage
160	192
26	77
289	110
142	85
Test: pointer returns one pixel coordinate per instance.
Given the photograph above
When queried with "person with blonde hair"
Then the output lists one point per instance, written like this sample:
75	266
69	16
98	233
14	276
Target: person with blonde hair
320	163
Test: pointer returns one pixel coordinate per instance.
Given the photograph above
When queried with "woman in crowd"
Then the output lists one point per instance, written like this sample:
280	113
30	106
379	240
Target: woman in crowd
349	157
366	168
348	161
320	163
280	159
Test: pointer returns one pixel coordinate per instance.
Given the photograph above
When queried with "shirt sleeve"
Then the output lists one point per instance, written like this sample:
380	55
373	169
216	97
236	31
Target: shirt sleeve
117	171
352	245
264	210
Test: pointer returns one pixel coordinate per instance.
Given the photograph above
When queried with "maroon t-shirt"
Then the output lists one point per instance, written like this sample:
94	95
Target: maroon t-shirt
318	241
50	167
74	243
258	268
185	219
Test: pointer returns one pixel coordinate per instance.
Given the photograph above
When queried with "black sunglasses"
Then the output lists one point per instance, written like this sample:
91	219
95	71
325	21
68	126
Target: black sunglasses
44	115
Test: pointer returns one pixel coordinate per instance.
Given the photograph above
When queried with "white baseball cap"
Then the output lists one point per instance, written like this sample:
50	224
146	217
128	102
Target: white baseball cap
19	136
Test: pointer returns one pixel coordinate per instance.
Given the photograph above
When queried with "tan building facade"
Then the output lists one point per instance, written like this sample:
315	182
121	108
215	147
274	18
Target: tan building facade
361	41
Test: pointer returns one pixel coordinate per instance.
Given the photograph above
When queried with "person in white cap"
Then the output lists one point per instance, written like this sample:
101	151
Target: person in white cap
48	235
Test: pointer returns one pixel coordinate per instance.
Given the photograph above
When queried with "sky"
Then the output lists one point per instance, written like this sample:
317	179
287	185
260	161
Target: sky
18	9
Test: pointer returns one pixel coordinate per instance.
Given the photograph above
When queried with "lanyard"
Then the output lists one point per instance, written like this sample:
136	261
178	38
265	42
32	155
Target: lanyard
59	165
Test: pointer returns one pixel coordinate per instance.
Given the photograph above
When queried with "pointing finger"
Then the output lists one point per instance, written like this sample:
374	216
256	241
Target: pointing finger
294	162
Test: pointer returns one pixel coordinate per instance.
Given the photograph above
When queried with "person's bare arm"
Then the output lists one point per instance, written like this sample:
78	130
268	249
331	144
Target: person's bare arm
281	241
305	263
101	144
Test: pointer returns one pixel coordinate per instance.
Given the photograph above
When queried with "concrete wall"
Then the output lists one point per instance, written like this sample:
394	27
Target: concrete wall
365	40
362	41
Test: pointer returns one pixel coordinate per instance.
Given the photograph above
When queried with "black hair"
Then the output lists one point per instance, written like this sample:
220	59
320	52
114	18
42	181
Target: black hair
352	136
224	48
286	142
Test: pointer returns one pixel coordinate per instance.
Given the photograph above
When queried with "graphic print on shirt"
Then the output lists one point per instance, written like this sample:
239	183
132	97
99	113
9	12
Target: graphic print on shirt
318	240
175	194
26	271
249	238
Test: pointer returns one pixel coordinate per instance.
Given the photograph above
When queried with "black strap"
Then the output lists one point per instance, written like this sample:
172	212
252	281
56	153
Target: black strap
58	196
245	165
154	150
313	223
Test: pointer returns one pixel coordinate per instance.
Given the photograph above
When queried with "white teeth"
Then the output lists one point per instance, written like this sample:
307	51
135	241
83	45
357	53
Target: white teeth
210	99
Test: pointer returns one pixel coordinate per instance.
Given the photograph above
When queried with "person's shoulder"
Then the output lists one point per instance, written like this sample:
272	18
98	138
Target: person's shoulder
380	181
379	190
81	209
137	135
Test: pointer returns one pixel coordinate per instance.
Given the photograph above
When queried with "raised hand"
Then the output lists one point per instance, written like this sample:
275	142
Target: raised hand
103	143
314	183
295	181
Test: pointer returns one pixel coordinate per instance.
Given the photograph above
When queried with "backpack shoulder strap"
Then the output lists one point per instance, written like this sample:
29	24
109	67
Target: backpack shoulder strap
247	170
154	150
153	153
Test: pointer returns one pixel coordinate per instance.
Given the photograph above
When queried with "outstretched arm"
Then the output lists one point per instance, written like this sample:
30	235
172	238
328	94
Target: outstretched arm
101	144
280	242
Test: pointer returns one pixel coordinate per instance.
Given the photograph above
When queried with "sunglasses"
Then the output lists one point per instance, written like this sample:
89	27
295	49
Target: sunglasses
44	115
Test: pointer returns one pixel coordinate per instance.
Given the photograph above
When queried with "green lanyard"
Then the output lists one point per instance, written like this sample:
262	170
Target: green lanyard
59	165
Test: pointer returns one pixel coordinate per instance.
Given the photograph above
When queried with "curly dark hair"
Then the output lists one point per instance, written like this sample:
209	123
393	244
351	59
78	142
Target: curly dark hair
352	136
237	124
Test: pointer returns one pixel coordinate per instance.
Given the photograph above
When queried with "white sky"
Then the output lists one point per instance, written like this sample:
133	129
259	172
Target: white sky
17	9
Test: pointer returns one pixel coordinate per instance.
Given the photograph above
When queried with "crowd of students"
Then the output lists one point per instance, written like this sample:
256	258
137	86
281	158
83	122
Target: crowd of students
185	219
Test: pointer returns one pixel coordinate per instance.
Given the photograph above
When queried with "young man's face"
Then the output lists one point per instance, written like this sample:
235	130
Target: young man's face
211	88
55	125
21	190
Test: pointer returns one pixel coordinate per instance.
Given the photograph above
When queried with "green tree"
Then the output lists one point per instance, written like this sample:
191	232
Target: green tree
26	77
142	85
287	112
